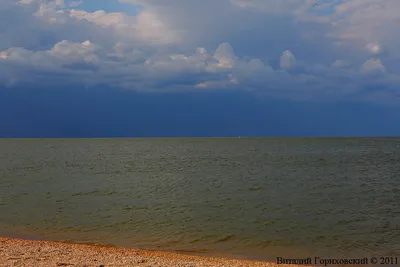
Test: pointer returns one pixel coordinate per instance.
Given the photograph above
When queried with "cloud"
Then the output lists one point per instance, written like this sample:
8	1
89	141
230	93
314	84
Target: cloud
288	60
288	48
75	3
340	64
375	49
373	66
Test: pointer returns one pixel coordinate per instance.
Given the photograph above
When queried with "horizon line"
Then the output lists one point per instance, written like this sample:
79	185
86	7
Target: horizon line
202	137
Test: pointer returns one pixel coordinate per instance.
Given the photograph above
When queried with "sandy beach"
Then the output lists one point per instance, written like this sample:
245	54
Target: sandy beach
19	252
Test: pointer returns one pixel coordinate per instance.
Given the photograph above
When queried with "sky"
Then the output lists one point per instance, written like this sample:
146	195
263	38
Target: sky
147	68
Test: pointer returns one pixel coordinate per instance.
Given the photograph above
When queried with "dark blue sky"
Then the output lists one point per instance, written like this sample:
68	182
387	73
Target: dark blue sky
111	113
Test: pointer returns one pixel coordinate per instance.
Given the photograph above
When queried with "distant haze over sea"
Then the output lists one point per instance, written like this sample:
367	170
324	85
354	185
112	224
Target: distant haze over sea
69	112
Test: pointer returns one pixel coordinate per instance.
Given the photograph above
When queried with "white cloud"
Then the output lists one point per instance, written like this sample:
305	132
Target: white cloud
375	49
153	29
373	66
75	3
249	44
288	60
225	55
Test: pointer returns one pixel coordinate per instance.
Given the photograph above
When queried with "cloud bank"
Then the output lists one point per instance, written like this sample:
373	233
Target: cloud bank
288	48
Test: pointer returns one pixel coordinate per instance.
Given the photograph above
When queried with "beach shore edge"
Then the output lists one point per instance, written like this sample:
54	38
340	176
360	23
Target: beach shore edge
23	252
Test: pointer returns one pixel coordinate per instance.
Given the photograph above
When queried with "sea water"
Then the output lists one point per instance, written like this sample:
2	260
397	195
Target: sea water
249	197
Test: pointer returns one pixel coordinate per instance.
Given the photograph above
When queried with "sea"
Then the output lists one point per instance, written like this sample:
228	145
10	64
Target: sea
246	198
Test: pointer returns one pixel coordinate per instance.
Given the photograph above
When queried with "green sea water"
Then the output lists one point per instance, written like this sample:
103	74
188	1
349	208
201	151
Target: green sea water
247	197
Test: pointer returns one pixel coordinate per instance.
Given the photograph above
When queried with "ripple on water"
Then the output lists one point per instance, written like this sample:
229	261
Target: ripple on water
225	238
97	193
217	194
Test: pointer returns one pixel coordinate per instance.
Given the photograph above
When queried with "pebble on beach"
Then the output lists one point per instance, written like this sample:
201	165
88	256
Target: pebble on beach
19	252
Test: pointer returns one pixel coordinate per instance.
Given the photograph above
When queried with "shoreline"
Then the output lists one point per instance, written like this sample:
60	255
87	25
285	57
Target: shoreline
24	252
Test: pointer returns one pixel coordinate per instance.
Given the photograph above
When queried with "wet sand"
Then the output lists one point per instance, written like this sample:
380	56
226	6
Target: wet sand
20	252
